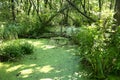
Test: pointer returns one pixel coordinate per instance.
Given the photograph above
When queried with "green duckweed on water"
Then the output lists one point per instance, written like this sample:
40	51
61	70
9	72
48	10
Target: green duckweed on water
49	62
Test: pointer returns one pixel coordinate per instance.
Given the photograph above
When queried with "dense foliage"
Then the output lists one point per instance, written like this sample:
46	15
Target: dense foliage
13	50
91	24
34	17
99	49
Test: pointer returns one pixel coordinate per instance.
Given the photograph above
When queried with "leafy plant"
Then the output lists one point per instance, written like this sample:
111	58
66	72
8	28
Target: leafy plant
13	50
10	51
99	48
26	48
8	32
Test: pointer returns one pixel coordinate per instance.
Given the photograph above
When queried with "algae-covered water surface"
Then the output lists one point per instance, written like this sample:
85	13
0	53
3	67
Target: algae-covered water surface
48	62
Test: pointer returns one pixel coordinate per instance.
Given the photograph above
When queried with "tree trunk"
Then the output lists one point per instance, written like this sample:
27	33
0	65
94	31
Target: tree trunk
117	12
38	3
30	6
100	8
111	4
13	10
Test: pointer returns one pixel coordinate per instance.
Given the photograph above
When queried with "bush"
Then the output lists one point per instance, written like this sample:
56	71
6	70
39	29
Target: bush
8	32
100	49
84	36
116	43
30	27
26	48
13	50
10	51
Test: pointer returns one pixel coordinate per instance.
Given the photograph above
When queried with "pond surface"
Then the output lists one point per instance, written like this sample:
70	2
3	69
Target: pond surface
49	62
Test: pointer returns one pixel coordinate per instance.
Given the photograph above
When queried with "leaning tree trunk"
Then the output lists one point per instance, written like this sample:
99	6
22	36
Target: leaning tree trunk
117	12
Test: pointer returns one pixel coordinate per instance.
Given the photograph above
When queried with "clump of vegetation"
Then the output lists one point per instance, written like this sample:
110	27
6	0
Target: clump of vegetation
26	48
29	27
99	48
9	32
99	44
13	50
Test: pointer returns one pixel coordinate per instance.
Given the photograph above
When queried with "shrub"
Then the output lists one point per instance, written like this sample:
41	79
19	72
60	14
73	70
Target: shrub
84	36
30	27
10	51
13	50
116	43
8	32
26	48
100	49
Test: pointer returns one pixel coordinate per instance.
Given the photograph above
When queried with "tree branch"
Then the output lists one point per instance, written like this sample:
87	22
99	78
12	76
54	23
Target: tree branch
73	5
36	10
61	10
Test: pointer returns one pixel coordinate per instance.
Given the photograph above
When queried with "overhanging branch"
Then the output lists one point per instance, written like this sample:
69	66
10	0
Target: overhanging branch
74	6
